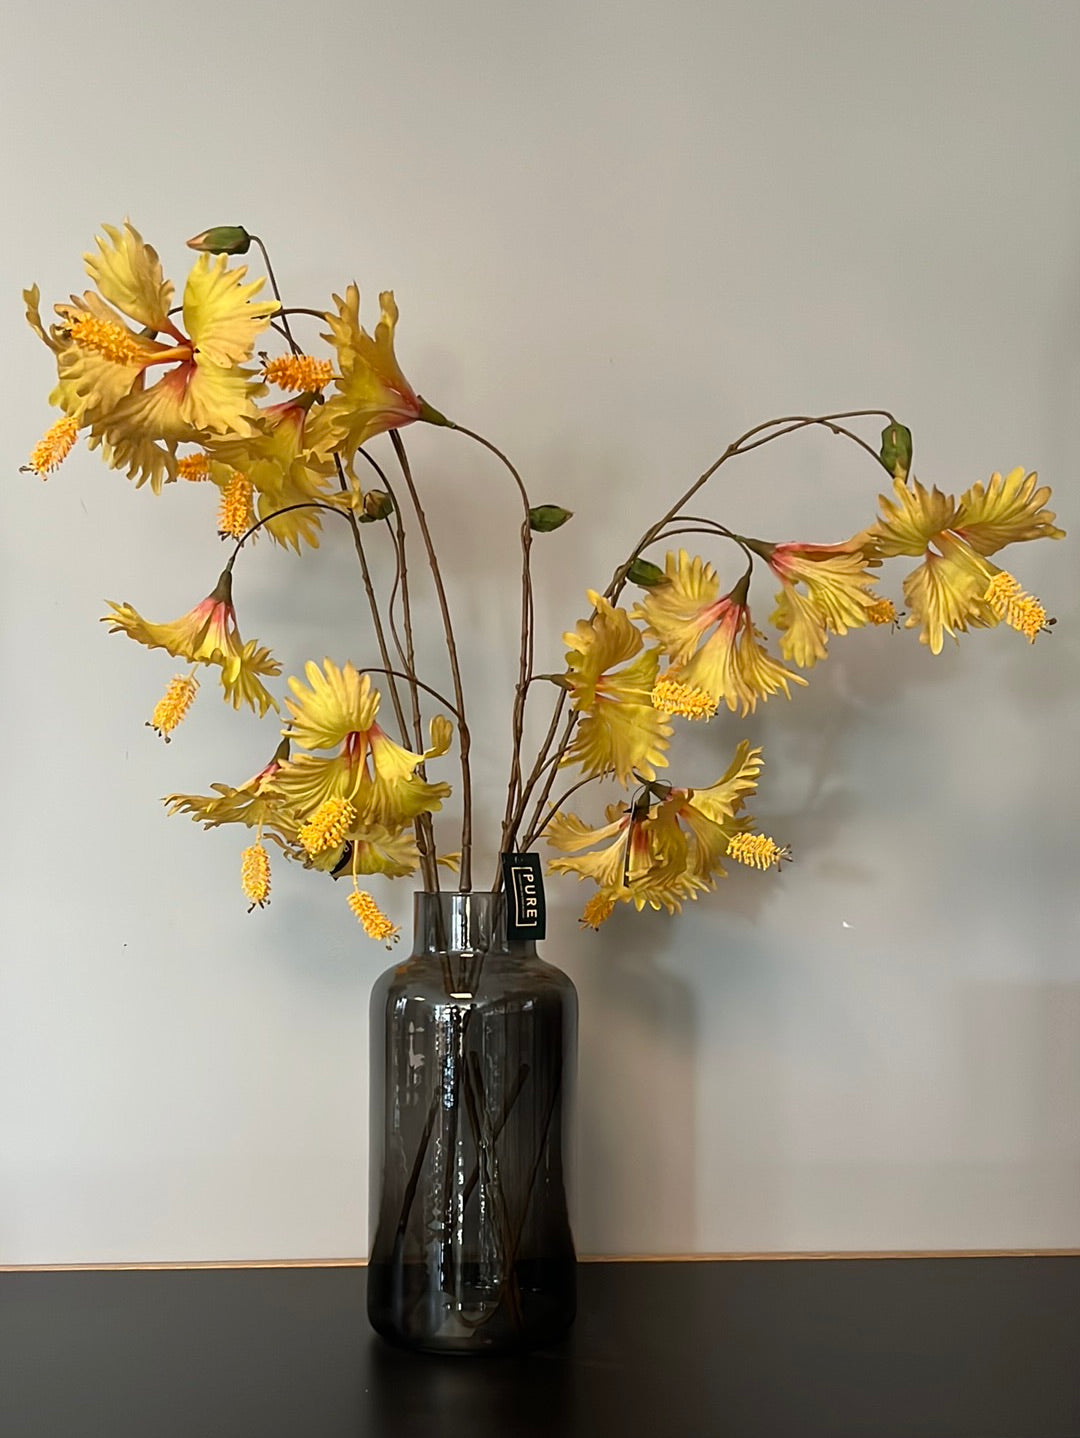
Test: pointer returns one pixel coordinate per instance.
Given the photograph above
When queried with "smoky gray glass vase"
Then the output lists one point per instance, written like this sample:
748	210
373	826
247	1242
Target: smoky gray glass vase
473	1048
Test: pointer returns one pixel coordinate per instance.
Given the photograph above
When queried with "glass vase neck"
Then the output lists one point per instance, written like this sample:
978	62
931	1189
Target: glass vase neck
454	923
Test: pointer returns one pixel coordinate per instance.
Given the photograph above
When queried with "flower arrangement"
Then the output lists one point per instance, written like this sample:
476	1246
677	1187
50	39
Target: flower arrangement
178	394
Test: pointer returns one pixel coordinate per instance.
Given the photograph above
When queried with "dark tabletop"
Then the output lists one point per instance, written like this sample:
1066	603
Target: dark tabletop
917	1348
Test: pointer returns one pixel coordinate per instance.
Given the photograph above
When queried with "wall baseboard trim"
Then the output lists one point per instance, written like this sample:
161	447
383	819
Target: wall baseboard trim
766	1257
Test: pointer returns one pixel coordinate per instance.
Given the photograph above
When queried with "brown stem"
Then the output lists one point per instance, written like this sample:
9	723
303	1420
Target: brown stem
427	857
753	438
525	654
534	834
277	295
464	737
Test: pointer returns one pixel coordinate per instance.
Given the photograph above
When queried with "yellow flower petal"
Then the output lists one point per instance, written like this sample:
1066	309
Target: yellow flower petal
1005	511
128	273
332	705
220	314
908	525
374	395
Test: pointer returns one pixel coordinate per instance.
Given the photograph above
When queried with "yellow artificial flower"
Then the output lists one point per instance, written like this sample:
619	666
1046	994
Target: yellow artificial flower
666	852
731	665
251	803
285	462
950	591
373	393
620	730
336	710
838	596
207	634
103	363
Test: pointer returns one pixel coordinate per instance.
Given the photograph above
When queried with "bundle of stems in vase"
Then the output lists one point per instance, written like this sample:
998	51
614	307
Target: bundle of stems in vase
177	393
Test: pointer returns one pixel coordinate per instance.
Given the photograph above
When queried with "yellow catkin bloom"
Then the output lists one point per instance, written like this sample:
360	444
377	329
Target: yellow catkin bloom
170	709
757	851
298	372
54	446
671	697
882	611
255	875
236	513
103	337
1019	610
376	924
194	467
328	826
597	910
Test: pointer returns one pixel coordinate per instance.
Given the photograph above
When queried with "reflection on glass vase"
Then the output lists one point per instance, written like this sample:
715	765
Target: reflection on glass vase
473	1043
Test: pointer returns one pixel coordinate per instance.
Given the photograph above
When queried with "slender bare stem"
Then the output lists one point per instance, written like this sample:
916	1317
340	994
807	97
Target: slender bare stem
464	737
277	295
753	438
423	833
525	656
534	834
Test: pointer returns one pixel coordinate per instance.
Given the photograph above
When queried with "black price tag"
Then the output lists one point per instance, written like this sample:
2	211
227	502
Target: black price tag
526	911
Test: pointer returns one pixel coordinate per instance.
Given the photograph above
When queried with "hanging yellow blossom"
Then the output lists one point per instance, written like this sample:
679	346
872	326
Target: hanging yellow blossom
838	596
728	665
620	731
375	923
948	592
207	634
373	394
255	875
53	447
251	803
104	365
174	704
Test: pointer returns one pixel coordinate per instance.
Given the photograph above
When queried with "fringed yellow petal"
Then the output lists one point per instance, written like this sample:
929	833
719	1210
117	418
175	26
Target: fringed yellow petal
1005	511
220	313
174	704
128	273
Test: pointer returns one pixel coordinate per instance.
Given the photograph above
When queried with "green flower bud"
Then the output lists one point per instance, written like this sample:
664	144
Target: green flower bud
377	505
543	518
896	450
222	240
646	574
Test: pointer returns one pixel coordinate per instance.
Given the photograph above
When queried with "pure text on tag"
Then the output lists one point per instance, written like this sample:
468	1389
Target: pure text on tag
526	911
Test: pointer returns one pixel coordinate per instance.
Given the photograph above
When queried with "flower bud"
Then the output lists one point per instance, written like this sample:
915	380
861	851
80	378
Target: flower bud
896	450
222	240
543	518
645	573
377	505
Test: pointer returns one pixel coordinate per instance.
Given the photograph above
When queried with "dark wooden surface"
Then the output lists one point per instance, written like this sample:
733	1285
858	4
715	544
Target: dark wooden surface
916	1348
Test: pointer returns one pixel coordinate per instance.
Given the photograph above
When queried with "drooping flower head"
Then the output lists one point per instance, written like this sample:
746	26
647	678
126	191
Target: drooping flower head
668	846
953	588
620	731
825	588
715	652
368	783
373	393
105	365
208	634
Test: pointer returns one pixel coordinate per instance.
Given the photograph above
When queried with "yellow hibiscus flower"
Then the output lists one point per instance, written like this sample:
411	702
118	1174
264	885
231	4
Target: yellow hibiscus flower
373	393
336	709
730	664
620	731
207	634
104	364
249	803
838	596
956	587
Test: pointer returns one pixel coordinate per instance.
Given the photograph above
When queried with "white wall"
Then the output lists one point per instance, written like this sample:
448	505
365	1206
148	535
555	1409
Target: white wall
619	235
